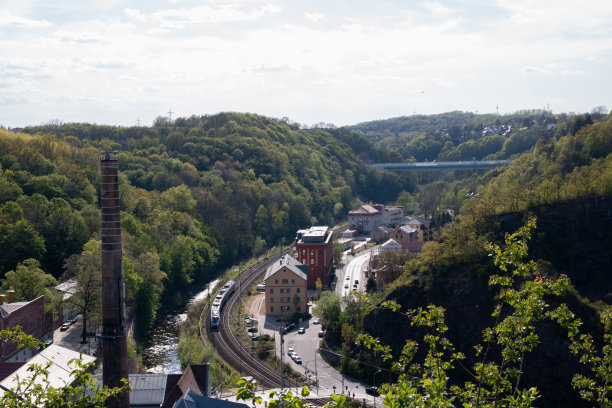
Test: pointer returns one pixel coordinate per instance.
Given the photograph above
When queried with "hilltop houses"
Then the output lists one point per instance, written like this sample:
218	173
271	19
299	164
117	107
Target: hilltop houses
367	218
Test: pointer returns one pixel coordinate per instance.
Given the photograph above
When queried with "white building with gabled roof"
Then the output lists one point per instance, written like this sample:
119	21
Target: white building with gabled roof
59	366
367	218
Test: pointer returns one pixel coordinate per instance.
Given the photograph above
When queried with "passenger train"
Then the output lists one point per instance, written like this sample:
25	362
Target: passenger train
220	299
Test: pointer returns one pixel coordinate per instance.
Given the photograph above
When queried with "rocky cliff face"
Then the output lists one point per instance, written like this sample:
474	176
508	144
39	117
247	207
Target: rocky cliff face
573	238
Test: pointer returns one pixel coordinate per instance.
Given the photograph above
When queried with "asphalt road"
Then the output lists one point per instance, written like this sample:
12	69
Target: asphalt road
306	345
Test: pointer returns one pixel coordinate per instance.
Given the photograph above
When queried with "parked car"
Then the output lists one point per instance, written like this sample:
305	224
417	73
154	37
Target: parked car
252	329
302	330
290	351
356	281
346	286
373	391
316	320
321	333
297	360
348	277
290	327
65	326
73	321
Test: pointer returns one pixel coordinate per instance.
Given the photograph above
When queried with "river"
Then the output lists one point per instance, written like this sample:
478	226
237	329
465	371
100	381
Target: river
161	351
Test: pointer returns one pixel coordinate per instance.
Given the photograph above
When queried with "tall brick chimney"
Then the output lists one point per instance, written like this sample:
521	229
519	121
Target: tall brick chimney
114	344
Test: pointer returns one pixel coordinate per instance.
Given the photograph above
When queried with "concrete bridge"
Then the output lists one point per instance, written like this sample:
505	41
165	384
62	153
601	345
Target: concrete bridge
441	166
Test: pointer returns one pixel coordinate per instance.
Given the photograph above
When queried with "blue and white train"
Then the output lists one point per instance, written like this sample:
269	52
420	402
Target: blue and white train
220	299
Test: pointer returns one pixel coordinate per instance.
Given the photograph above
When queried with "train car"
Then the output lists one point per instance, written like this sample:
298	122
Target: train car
217	305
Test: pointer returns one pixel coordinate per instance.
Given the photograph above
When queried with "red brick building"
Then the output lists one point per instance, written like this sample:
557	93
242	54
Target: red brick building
29	315
314	248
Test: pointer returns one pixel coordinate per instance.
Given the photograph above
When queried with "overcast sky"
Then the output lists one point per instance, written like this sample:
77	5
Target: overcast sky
335	61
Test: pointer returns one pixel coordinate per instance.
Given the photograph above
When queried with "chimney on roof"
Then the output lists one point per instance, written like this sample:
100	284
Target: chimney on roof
11	294
2	299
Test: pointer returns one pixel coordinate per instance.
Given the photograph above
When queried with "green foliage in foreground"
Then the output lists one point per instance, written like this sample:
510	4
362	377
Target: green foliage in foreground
495	380
36	390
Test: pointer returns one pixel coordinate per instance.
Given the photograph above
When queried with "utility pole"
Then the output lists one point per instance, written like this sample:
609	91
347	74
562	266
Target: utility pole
316	372
169	115
282	352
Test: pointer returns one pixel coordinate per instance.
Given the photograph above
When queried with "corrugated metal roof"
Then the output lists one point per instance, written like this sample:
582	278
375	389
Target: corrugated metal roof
147	389
59	368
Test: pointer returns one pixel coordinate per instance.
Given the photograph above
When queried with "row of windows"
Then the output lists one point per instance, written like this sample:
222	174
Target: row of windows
285	290
312	252
285	299
284	281
286	308
312	261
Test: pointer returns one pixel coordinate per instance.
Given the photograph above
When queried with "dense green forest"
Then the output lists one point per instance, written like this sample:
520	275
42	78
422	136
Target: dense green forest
197	195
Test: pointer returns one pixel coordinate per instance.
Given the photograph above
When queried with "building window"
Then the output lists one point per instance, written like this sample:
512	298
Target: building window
276	281
282	290
288	308
292	281
288	290
271	290
312	261
298	309
288	300
298	290
272	300
272	309
285	281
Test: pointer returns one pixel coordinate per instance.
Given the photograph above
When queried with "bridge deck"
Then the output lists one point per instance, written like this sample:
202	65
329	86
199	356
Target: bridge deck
441	166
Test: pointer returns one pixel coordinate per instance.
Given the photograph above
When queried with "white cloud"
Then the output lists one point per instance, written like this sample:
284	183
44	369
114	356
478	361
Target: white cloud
314	17
530	70
8	19
437	9
86	37
181	18
256	56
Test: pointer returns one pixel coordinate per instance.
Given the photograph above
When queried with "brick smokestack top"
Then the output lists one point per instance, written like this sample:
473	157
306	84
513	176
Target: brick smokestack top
114	344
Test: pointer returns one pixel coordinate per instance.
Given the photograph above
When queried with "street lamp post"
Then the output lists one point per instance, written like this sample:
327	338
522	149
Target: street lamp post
308	372
282	354
375	390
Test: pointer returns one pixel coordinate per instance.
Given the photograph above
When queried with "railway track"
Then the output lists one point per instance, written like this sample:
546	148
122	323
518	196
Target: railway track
226	343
